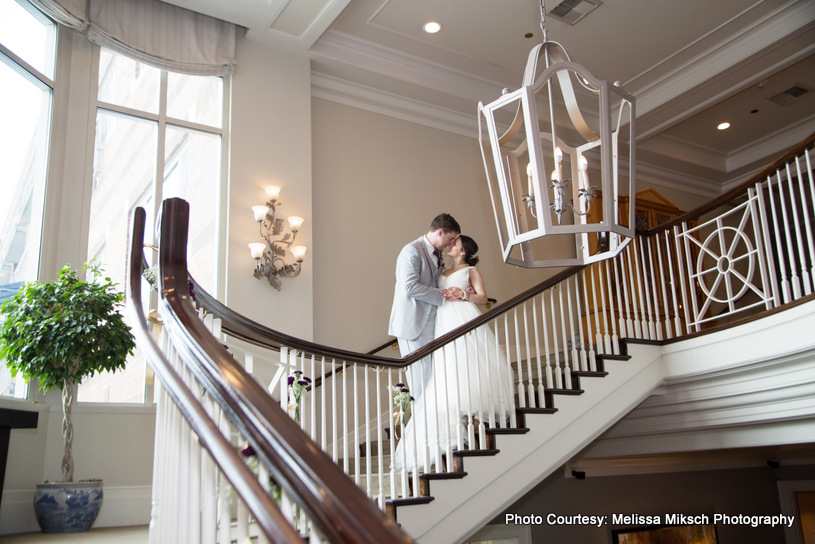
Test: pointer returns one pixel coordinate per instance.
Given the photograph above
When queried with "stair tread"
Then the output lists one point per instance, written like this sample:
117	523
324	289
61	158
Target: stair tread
565	391
443	475
590	373
410	500
515	430
475	453
534	410
614	357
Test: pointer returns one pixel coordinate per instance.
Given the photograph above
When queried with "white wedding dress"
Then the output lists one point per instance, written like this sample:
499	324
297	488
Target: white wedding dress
470	377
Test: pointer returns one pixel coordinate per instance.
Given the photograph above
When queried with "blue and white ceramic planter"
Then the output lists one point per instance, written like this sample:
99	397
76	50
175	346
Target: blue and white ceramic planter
67	507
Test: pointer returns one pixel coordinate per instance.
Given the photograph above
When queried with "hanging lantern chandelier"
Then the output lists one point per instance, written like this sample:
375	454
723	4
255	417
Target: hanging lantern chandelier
557	172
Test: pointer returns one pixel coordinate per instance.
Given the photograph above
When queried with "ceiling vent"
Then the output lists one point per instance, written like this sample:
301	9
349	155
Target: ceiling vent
571	11
791	95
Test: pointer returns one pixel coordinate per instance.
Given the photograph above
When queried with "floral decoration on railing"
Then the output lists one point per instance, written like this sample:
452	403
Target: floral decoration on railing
298	387
402	400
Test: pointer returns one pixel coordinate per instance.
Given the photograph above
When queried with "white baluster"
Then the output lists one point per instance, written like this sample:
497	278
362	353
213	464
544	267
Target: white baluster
669	257
795	281
559	371
519	363
531	386
627	328
764	223
567	366
577	364
759	242
785	285
691	288
545	328
663	282
367	394
805	279
613	343
334	420
599	309
636	276
805	203
380	433
541	376
355	400
654	291
591	354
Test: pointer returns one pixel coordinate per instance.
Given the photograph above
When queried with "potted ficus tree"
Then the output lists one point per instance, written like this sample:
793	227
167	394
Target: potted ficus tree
60	333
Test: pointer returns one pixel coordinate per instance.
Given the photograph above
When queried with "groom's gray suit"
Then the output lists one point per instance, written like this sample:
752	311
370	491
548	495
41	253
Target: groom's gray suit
415	300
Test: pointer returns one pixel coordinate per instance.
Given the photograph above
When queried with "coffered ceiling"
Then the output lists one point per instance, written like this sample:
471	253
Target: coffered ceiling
690	64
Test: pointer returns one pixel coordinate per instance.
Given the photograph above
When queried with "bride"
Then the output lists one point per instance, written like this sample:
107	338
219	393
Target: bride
470	384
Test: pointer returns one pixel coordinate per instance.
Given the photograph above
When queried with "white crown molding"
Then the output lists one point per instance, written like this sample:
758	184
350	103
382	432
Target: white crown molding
784	22
775	143
347	49
374	100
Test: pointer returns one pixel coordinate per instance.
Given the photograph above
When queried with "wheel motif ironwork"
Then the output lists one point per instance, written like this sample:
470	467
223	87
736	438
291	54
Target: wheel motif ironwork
722	247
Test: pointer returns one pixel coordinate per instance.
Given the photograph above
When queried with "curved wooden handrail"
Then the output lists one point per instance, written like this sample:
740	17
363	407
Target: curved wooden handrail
242	327
341	511
269	517
733	193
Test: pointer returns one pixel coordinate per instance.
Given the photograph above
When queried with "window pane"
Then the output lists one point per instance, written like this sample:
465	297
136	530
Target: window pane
195	98
123	178
128	83
30	35
25	105
192	170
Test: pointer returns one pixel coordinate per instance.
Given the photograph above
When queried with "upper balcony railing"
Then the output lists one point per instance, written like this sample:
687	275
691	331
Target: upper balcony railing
748	252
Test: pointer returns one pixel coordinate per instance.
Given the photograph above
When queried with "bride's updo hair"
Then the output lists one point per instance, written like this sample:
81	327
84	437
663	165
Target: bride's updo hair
470	249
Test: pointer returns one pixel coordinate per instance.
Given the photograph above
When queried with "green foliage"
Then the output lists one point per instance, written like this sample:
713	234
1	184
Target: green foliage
66	330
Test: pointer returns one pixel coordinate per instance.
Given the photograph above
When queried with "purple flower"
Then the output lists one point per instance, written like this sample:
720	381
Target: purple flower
400	385
291	380
303	382
248	451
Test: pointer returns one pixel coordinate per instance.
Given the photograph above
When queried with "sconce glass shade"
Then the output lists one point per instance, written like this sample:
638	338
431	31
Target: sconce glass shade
260	212
273	192
558	153
295	223
299	253
257	249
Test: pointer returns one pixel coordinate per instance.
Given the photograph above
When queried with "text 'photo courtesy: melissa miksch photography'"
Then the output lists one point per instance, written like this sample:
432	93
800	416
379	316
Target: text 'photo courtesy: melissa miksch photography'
654	520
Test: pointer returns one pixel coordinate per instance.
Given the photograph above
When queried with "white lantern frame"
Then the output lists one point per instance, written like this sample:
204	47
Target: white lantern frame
502	162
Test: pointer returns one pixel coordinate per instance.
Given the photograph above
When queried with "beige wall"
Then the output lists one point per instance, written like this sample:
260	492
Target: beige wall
378	183
270	145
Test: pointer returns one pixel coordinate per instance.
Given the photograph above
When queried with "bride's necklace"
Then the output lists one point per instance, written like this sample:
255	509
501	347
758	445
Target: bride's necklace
454	268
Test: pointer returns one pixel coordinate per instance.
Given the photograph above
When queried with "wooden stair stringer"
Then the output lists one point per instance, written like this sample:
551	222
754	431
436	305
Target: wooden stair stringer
460	507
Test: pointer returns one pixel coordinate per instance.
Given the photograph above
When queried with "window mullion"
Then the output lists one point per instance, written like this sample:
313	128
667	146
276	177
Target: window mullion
162	138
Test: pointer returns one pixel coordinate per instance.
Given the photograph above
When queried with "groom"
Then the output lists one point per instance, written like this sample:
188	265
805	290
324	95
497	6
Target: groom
417	295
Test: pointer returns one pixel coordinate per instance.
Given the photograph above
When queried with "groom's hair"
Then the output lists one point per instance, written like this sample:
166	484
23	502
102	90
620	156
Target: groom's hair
445	222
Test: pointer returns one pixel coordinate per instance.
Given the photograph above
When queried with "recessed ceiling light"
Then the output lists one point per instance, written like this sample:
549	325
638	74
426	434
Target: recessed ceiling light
432	27
723	126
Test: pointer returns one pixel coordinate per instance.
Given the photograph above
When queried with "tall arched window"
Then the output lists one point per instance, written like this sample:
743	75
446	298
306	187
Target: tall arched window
158	135
27	66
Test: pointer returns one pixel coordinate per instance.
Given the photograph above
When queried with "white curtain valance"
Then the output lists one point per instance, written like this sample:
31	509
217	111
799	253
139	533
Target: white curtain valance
71	13
153	32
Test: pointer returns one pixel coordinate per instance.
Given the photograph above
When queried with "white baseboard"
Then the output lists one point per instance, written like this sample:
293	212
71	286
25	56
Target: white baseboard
122	506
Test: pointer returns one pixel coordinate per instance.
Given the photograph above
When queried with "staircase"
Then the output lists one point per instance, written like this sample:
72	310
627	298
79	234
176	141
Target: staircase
577	374
487	482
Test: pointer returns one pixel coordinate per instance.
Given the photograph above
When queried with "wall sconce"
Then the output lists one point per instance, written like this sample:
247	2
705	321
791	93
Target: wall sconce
269	256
